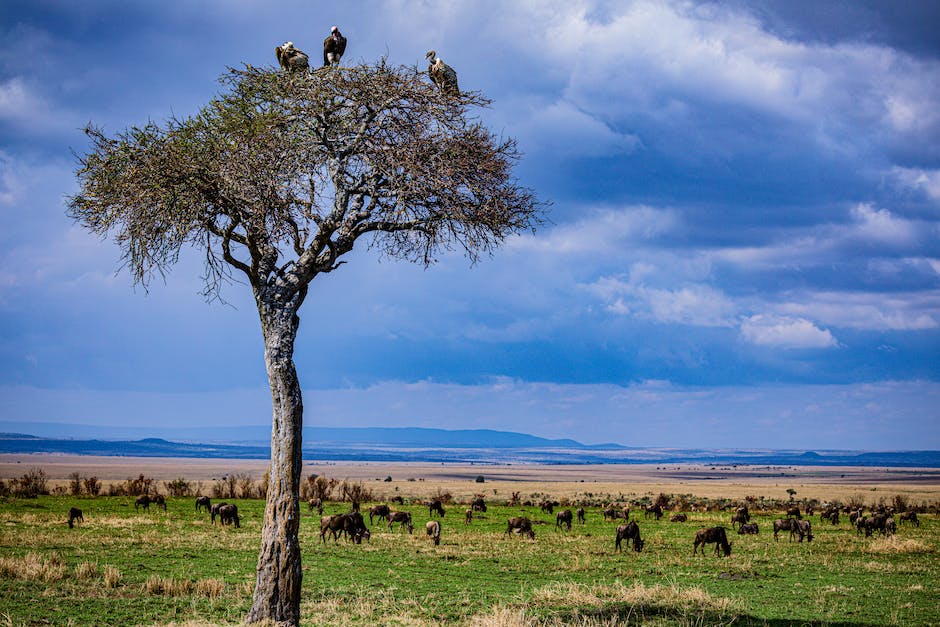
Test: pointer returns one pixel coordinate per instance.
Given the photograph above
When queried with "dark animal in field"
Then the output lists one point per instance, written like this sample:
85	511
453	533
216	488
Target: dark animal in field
782	524
629	531
436	506
547	507
355	506
398	500
580	515
442	75
749	529
478	504
830	515
380	511
159	501
891	527
468	517
75	514
653	510
563	518
215	510
740	516
355	527
679	518
520	525
316	504
794	512
333	524
433	530
909	517
203	502
333	47
290	58
803	529
142	501
854	515
610	513
876	522
228	515
402	518
712	535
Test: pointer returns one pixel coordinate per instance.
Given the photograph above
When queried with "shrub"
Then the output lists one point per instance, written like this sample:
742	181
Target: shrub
75	484
178	487
479	479
30	485
356	492
92	486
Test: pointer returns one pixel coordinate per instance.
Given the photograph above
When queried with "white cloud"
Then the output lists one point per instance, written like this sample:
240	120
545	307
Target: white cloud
694	305
868	311
880	225
915	178
782	332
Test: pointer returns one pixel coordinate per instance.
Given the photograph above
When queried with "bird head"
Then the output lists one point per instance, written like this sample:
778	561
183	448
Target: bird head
334	30
430	55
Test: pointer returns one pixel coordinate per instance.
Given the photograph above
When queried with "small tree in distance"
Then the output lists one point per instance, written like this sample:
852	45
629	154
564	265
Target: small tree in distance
276	179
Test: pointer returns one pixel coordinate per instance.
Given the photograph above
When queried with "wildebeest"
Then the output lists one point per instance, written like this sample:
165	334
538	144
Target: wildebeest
157	499
478	504
712	535
547	507
563	518
891	527
654	510
629	531
611	513
214	511
580	514
75	514
831	515
436	506
468	516
142	501
350	524
433	529
740	516
228	515
854	515
203	502
520	525
678	518
794	512
803	529
782	524
381	511
909	517
875	522
316	504
402	518
749	529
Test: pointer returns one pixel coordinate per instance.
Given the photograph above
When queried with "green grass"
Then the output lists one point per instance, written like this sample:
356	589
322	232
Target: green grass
176	567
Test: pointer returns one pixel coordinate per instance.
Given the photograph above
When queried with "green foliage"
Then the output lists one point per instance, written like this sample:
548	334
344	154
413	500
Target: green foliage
125	567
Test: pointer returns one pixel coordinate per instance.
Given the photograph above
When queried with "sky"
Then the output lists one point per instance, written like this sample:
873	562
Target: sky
741	247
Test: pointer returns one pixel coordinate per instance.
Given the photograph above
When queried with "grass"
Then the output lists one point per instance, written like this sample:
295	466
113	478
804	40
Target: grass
130	568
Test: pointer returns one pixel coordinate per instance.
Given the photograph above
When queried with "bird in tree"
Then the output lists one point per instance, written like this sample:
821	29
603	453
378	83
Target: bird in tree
442	74
276	180
333	47
290	58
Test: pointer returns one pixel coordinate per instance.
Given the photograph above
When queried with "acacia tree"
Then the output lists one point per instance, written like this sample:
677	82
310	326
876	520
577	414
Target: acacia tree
277	178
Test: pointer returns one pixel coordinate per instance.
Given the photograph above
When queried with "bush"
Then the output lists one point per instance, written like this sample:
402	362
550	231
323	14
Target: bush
479	479
178	487
92	486
75	484
30	485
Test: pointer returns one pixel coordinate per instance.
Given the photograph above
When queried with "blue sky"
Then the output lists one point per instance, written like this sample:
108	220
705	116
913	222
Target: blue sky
742	249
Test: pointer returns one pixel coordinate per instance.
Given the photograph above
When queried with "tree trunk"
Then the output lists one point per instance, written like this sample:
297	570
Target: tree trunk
277	588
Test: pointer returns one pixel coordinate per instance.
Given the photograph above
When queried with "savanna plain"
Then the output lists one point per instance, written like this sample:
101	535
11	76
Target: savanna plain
123	565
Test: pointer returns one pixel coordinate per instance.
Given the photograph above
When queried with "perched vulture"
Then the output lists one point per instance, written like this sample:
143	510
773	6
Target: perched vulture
442	74
291	58
333	47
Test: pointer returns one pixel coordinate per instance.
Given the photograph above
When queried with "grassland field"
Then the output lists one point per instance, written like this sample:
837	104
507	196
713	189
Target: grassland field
127	567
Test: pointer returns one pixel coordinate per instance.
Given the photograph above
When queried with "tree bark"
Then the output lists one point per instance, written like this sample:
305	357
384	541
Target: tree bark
277	588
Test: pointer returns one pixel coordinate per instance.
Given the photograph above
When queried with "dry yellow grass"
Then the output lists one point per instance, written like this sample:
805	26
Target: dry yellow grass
894	544
33	567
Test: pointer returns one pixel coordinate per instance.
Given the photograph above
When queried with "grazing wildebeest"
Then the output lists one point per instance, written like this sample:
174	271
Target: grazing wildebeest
629	531
830	515
142	501
749	529
228	515
580	515
782	524
215	510
854	515
478	504
203	502
678	518
740	516
157	499
74	514
402	518
563	518
468	516
909	517
876	522
436	506
399	500
803	529
891	527
433	529
611	513
382	511
794	512
653	510
520	525
547	507
316	504
333	523
712	535
355	527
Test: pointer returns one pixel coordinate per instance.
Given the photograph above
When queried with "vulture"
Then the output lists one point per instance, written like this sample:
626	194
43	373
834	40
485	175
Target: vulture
442	74
290	58
333	47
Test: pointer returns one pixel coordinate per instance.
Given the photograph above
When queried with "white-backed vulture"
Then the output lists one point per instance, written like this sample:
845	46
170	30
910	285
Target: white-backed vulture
442	74
290	58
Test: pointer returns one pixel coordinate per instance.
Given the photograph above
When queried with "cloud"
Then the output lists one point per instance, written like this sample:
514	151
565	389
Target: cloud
916	178
880	225
565	131
780	332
